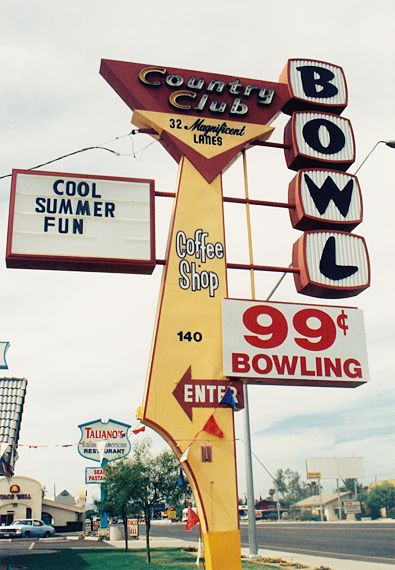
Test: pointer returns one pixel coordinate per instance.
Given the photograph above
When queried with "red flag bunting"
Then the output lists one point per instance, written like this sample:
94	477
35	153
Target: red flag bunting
192	519
212	427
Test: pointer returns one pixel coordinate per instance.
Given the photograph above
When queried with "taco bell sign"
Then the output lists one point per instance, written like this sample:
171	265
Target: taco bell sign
104	440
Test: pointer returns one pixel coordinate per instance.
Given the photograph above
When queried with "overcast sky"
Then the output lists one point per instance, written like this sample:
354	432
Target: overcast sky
83	339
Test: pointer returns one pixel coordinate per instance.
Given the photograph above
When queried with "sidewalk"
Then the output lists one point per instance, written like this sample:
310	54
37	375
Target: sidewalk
320	560
155	542
308	560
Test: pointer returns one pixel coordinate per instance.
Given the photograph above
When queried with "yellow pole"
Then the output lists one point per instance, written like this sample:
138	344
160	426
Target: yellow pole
249	233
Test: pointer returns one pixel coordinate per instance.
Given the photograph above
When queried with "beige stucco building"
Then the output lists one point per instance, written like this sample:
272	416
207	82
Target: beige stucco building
22	497
329	503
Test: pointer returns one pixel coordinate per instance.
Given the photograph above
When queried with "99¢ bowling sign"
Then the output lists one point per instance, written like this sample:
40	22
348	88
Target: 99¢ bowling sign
292	344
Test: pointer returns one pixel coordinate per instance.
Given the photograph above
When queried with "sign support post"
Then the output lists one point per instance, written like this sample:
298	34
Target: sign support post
339	503
103	516
321	506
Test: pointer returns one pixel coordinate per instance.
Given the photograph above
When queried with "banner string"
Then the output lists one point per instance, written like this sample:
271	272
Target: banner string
134	431
207	439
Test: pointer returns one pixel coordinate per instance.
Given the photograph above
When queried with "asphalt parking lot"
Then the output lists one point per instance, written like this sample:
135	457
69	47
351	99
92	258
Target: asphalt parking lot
21	546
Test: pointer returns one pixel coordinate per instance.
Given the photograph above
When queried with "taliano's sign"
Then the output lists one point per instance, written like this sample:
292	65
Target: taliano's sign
104	440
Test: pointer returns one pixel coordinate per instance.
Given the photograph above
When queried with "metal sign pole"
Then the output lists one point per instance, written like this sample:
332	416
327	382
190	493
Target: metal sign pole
320	493
252	538
103	516
339	500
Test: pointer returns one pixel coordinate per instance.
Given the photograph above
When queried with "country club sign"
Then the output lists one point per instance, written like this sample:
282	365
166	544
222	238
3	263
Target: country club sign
104	440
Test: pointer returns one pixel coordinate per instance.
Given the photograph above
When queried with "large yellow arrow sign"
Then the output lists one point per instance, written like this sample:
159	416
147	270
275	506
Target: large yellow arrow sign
188	333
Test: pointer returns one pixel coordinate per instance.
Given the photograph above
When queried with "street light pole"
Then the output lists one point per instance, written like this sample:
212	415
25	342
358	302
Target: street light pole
391	144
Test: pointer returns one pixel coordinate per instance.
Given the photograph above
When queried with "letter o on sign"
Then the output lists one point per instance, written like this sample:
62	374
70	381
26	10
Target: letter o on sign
319	140
324	136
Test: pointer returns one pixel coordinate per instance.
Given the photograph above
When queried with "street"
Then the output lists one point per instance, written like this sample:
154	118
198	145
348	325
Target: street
371	542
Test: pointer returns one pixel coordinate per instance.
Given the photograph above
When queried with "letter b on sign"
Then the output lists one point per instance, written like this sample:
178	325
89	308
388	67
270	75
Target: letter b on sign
314	85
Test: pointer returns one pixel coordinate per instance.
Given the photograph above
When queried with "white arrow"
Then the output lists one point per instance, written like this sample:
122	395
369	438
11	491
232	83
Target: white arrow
100	446
4	346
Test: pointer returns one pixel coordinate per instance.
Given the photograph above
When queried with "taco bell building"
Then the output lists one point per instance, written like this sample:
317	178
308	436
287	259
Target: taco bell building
22	497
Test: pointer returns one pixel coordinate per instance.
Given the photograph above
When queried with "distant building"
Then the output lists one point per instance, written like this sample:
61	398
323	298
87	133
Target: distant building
268	509
65	498
264	509
330	504
22	497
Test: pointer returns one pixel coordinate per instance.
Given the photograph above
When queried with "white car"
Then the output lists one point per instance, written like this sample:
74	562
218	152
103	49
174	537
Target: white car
27	528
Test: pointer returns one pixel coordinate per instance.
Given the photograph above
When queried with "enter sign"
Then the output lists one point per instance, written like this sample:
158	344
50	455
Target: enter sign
191	393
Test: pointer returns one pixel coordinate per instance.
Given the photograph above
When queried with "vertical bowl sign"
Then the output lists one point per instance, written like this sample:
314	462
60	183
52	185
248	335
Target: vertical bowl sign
81	222
104	440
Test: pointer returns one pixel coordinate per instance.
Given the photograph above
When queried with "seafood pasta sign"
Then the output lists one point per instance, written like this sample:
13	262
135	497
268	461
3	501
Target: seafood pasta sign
94	475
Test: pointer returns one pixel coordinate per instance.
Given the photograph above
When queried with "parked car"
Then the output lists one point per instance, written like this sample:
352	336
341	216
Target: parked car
27	528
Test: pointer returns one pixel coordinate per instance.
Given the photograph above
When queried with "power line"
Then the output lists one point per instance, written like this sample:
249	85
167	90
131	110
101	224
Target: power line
100	146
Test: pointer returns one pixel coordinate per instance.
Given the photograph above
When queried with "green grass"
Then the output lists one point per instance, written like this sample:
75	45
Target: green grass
103	559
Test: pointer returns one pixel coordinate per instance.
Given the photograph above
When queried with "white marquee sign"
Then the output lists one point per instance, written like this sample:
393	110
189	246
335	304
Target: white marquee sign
81	222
